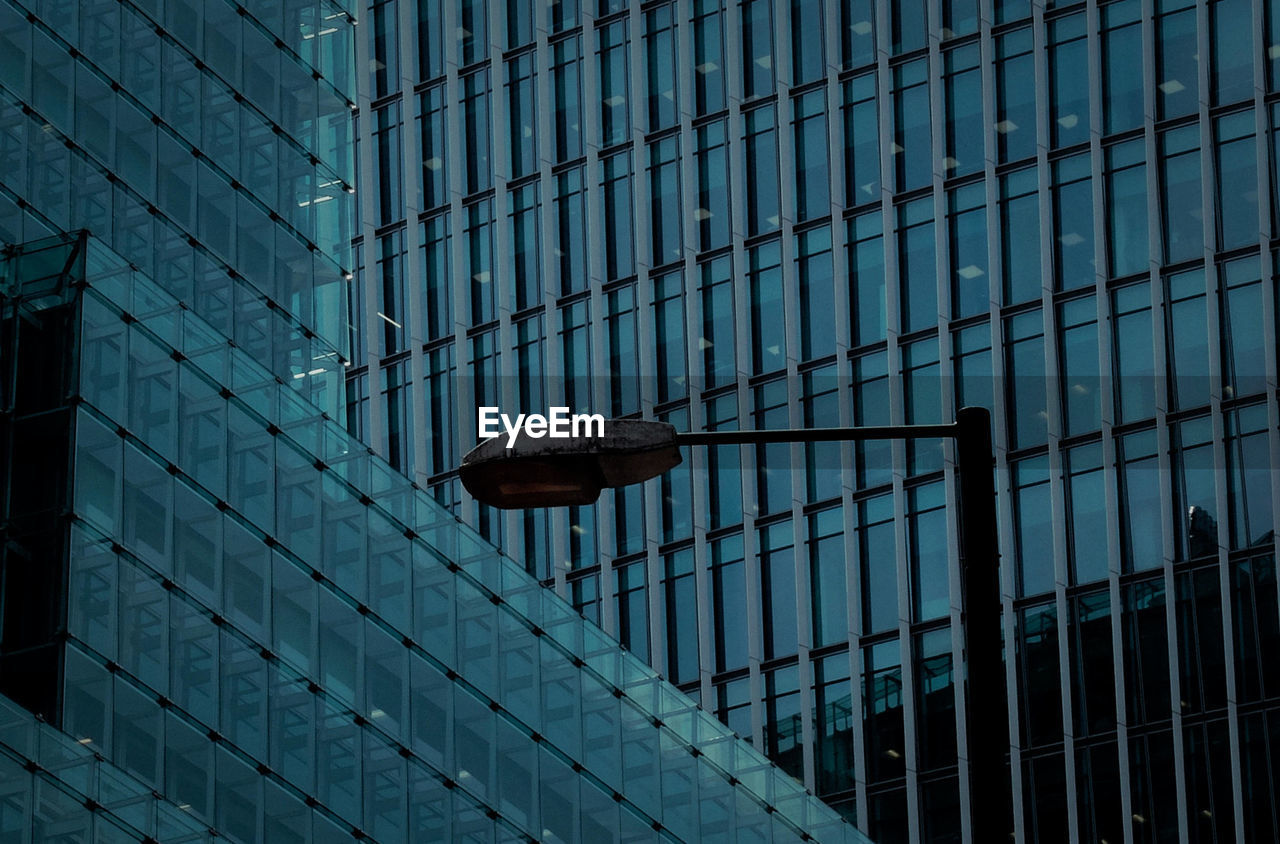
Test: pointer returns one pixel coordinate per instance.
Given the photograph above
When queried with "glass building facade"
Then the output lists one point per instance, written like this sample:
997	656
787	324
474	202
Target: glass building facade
210	145
230	618
53	788
788	213
213	585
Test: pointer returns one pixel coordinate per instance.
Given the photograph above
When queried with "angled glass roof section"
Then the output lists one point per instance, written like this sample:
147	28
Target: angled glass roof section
70	785
724	761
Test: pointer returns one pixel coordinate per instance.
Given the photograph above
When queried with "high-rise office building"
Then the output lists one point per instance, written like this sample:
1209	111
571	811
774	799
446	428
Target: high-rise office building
233	619
795	213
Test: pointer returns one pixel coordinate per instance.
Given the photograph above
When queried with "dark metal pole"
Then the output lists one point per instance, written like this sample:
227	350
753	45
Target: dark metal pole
814	435
987	705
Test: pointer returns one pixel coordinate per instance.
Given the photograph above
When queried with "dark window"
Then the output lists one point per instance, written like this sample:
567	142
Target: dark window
729	588
1146	651
681	602
1202	674
1039	685
878	559
882	711
1092	665
935	688
632	606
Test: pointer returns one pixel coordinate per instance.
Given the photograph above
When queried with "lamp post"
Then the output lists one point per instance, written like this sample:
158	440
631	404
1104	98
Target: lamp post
527	472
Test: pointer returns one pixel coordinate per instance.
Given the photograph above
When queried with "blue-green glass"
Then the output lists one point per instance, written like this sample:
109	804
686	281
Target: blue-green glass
1020	236
1127	208
1243	333
1087	513
817	294
729	595
858	32
1073	235
974	377
1231	75
712	158
618	230
922	394
666	223
1025	379
708	56
967	247
827	578
1068	64
1034	529
964	129
1237	189
768	322
1015	96
1141	541
867	286
909	25
1177	64
763	207
1188	340
1195	502
757	48
918	284
813	172
913	156
1133	362
861	140
927	543
1078	357
878	564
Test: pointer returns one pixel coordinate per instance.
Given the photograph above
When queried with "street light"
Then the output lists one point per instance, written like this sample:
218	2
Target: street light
528	472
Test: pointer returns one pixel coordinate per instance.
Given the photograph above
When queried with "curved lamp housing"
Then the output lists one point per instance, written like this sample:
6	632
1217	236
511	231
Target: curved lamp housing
567	471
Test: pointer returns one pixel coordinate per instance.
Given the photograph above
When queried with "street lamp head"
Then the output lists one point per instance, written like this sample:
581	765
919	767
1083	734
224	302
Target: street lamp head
567	471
